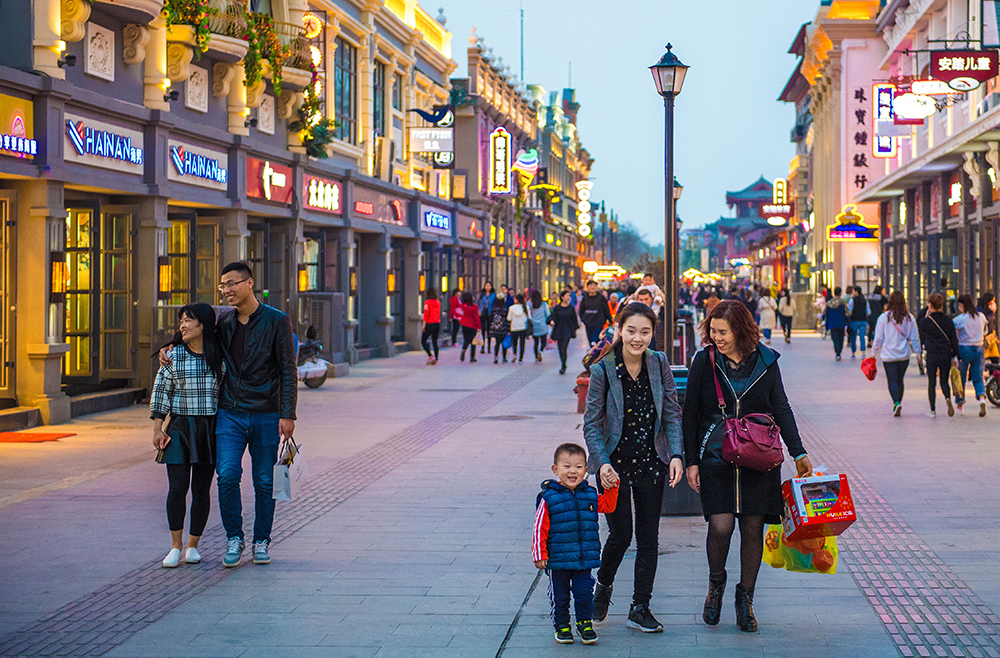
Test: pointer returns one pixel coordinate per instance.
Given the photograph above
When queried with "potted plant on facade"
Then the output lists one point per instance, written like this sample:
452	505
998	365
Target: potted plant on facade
314	130
263	47
193	14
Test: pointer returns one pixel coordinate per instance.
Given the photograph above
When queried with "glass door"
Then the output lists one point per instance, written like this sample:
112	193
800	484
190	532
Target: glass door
81	365
7	269
396	285
118	307
206	278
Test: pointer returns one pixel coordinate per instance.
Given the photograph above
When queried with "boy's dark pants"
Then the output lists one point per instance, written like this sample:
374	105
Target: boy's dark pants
579	583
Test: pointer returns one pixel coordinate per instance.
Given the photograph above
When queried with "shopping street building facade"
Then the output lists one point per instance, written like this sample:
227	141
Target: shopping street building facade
136	161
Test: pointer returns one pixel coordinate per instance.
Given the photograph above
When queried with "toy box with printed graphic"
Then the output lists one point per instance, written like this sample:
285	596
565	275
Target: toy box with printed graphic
818	506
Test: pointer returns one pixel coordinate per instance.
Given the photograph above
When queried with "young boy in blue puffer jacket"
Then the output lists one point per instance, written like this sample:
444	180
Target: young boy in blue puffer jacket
566	542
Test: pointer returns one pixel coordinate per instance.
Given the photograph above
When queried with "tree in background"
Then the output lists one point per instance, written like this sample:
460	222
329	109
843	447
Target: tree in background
633	251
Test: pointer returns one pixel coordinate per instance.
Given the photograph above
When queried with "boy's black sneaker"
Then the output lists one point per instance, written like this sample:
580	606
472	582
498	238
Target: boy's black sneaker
640	618
586	631
602	600
564	635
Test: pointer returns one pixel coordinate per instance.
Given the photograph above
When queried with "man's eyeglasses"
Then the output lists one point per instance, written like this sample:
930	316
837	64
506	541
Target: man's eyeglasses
229	285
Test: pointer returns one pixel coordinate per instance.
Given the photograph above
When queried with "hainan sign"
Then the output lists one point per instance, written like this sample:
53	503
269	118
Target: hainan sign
269	181
104	145
499	161
964	70
322	194
16	132
194	165
851	227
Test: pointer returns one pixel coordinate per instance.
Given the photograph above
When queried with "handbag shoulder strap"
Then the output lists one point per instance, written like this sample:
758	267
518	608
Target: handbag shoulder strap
938	326
715	374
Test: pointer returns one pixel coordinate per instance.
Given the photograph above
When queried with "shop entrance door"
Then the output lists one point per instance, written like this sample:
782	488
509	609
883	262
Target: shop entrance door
100	309
396	286
8	392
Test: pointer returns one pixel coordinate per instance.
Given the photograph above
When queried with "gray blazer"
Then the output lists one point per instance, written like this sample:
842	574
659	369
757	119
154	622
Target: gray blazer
605	414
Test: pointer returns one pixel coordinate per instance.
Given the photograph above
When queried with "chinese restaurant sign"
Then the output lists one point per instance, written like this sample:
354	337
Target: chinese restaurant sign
268	180
322	194
964	70
499	161
17	137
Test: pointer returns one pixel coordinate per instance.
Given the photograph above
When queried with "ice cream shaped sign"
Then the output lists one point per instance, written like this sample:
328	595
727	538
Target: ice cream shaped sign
851	227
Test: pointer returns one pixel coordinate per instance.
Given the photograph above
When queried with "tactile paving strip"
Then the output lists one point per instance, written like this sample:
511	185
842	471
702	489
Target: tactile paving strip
98	622
926	608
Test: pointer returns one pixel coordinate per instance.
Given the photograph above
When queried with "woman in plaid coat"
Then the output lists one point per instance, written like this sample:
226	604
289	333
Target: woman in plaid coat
187	389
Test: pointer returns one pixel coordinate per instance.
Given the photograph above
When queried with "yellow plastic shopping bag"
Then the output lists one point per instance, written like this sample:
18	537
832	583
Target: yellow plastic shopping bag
817	555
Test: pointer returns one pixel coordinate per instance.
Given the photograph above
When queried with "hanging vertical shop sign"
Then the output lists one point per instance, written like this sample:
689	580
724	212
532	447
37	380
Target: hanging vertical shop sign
17	135
196	166
883	141
583	217
964	70
499	164
780	210
269	181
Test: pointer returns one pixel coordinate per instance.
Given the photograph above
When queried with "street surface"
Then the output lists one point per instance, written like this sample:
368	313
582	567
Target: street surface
412	536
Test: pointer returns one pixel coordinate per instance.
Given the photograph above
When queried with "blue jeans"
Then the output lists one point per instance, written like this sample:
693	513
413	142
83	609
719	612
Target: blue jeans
767	334
859	329
235	431
563	582
970	366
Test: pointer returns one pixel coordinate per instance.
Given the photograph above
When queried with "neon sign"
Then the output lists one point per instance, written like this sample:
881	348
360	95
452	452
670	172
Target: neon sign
322	194
102	143
364	208
192	164
500	178
883	108
780	209
851	227
583	206
433	219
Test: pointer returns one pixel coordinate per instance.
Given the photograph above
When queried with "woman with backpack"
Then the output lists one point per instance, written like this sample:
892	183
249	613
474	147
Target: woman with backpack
487	297
517	315
896	337
539	315
499	327
970	325
786	313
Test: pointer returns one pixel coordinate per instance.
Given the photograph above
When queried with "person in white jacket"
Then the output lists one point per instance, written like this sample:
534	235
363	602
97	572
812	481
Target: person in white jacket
768	308
896	337
518	317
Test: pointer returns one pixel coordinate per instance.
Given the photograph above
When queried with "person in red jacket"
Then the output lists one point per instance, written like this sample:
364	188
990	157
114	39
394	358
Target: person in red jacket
454	304
432	325
470	324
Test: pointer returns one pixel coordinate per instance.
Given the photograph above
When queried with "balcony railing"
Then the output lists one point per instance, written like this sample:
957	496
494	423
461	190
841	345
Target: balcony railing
229	19
293	37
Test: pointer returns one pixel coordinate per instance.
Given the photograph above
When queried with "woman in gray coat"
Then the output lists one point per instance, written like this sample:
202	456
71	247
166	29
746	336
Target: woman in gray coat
633	430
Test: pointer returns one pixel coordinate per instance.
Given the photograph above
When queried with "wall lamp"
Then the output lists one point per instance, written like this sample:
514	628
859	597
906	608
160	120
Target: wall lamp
172	95
250	122
67	61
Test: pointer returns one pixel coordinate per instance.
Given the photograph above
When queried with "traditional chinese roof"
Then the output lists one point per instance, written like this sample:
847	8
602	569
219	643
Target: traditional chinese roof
739	224
758	191
798	46
796	87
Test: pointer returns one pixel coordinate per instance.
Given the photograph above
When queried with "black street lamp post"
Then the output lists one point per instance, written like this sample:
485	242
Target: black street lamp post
669	74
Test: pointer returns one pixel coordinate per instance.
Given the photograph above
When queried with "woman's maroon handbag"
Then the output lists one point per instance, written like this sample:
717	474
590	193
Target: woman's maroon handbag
754	440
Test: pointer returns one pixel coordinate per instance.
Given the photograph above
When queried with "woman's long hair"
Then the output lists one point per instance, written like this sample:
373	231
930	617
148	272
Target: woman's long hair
211	347
486	292
968	306
519	299
536	299
467	298
431	293
984	302
745	330
896	307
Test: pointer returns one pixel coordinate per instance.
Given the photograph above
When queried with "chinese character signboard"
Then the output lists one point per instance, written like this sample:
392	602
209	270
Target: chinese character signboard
17	138
781	209
322	194
851	227
435	220
499	161
269	181
964	70
432	140
860	139
883	145
377	205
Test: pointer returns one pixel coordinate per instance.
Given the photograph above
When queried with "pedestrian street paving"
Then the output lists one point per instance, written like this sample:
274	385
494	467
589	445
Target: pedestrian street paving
412	535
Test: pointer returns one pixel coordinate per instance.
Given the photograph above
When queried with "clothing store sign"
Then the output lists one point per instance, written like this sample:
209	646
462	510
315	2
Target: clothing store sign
194	165
104	145
964	70
323	195
269	181
435	220
16	128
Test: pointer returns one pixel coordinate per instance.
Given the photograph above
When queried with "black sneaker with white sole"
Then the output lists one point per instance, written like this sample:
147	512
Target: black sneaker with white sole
564	635
586	630
640	618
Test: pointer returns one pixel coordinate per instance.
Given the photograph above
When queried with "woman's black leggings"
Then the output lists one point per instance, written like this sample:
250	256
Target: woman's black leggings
431	331
518	338
563	344
539	344
648	503
498	344
720	533
468	333
197	477
938	368
484	321
455	326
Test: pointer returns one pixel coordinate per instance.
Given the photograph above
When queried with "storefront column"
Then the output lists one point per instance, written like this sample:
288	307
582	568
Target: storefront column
234	245
41	221
345	265
375	323
150	244
413	263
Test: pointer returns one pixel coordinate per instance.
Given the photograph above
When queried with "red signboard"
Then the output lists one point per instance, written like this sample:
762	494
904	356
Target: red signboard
964	69
380	206
364	208
323	195
269	181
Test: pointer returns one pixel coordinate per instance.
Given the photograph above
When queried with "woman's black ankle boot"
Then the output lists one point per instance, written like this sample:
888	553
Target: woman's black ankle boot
744	610
713	601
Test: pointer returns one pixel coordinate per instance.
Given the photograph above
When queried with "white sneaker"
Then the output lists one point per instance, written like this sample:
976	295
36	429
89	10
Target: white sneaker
932	414
173	558
192	556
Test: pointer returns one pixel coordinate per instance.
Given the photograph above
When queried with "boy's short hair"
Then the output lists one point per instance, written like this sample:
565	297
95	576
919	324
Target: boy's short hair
569	449
590	281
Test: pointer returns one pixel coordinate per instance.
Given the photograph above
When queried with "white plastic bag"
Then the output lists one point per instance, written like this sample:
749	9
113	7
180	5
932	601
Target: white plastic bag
289	471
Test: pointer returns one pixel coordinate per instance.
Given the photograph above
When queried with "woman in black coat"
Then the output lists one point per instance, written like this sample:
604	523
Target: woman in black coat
751	383
564	323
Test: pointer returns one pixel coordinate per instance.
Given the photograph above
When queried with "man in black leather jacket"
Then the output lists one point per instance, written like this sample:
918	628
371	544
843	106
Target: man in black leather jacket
256	408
